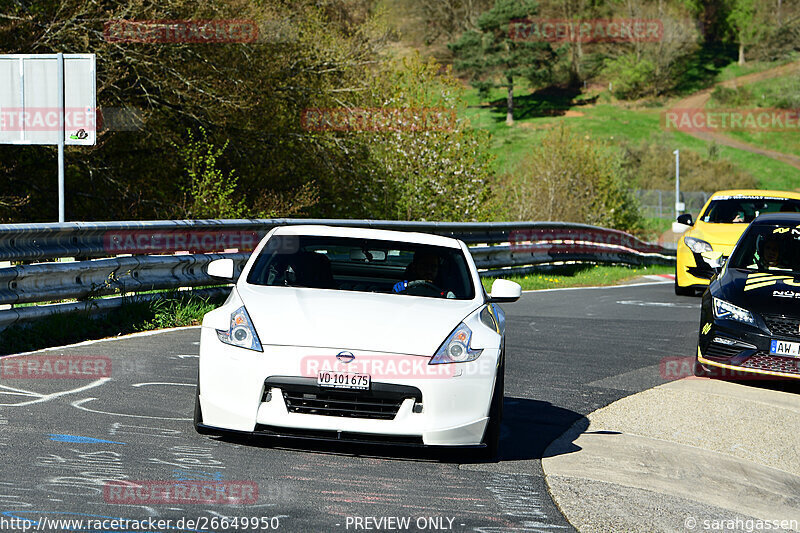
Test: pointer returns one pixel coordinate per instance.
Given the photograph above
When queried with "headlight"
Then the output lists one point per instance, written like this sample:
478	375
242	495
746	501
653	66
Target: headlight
456	348
697	245
241	332
723	309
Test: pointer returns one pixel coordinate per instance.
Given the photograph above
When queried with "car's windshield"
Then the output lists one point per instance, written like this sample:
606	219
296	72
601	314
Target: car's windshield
744	209
768	249
366	265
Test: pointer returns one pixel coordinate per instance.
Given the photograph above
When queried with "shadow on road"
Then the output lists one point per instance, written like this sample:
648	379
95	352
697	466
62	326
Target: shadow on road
529	426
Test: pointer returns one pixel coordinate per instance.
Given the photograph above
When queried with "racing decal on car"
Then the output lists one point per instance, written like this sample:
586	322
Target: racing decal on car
758	280
707	328
795	230
786	294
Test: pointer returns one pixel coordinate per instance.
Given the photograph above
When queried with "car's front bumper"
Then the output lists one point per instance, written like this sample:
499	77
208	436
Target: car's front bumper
694	269
275	392
743	351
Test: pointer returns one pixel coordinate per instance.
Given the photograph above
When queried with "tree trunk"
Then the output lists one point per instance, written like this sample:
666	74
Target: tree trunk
741	54
510	102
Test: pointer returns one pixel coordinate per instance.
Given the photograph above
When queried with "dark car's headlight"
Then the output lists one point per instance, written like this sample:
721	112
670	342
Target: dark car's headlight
241	332
697	245
723	309
456	348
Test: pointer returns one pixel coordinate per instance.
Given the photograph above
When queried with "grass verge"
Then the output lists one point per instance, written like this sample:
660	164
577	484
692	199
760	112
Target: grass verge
582	276
173	310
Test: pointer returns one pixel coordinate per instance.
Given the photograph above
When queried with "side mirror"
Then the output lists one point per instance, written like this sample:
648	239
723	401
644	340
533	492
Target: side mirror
686	219
504	290
221	268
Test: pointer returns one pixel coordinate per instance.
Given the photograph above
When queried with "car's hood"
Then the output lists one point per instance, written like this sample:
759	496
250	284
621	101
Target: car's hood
763	293
718	235
351	320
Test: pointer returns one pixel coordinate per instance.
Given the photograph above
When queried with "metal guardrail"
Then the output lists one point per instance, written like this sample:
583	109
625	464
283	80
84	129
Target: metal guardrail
130	257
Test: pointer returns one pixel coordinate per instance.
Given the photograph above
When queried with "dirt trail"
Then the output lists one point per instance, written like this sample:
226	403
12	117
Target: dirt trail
699	99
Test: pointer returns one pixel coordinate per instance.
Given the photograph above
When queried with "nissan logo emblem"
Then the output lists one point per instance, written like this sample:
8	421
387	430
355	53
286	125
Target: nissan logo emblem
345	357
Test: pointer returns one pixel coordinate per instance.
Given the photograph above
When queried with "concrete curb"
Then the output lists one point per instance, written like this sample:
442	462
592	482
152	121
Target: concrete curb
693	454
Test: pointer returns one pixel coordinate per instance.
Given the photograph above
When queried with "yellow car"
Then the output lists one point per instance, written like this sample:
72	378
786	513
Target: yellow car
721	222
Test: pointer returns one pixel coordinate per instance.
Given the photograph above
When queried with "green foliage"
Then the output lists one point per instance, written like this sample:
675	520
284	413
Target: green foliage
210	192
423	173
748	23
630	76
494	59
569	178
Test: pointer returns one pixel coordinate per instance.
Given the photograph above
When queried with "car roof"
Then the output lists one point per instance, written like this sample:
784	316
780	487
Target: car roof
770	219
368	233
756	193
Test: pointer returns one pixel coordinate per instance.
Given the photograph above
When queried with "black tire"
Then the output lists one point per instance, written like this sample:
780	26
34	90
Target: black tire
197	420
491	437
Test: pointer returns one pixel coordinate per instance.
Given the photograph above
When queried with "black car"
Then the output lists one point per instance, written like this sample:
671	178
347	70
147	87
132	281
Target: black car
750	317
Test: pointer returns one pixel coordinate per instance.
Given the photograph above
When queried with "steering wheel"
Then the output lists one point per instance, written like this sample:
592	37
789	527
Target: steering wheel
421	287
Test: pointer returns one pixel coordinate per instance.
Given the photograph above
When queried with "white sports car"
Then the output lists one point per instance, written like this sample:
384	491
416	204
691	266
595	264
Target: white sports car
359	335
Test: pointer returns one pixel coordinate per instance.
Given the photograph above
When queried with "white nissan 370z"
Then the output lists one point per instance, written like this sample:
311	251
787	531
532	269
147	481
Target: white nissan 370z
358	335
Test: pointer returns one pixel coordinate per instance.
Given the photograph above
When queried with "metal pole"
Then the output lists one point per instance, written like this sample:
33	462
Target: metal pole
61	137
677	181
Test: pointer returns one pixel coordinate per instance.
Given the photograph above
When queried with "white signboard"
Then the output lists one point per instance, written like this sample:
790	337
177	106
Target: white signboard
29	99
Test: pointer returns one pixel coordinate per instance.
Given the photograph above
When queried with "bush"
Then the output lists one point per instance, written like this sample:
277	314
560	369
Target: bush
568	178
651	165
630	76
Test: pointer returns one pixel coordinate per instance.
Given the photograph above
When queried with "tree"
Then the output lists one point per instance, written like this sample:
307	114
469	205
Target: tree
748	23
495	59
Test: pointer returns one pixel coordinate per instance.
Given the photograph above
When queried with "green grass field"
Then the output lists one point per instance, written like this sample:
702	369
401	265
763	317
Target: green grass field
613	124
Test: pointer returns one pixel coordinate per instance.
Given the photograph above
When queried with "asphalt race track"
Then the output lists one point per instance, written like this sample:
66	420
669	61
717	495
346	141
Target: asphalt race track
569	352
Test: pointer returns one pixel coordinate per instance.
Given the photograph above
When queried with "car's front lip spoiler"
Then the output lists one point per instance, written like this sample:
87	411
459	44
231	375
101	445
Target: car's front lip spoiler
340	436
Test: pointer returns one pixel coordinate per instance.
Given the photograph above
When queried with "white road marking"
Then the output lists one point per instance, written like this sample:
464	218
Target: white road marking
164	383
41	398
656	304
601	287
78	404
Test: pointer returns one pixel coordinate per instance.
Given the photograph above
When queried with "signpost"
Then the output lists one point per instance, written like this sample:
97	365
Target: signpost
49	99
679	206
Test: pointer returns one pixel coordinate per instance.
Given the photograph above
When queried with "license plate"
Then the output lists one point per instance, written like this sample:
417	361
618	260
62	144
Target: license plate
343	380
785	348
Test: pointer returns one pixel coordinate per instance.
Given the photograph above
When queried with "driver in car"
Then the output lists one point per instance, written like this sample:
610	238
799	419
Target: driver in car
421	273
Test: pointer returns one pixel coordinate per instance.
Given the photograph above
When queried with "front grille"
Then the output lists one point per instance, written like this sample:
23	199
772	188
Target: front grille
304	396
340	403
773	363
783	326
721	350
